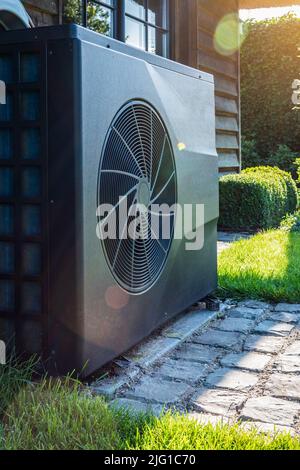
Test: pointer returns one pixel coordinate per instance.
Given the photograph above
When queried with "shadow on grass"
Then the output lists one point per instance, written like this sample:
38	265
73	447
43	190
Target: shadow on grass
266	267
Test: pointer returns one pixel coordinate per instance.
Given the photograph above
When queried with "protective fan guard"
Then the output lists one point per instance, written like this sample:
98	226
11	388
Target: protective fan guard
137	152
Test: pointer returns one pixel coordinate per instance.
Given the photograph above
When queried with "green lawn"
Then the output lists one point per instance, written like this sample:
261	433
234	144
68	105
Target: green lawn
61	415
265	267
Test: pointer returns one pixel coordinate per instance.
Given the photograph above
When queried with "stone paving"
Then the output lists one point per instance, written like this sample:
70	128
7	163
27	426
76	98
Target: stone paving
243	367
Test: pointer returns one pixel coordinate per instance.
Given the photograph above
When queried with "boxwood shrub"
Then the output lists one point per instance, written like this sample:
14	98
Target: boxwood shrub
257	198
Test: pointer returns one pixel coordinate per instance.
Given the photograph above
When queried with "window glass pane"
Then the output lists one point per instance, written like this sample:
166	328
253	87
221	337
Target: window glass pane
136	8
6	68
32	337
101	19
31	298
108	2
31	183
157	12
31	221
6	182
6	220
157	42
30	105
30	143
31	259
6	110
7	296
6	144
30	67
7	258
135	33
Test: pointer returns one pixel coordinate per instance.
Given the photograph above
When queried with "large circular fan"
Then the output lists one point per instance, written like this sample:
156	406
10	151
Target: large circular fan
137	165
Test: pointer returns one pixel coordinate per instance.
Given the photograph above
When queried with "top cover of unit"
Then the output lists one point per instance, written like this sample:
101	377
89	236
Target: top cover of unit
119	122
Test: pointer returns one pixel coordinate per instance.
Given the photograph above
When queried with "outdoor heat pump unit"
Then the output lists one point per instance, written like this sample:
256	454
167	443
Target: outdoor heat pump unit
89	122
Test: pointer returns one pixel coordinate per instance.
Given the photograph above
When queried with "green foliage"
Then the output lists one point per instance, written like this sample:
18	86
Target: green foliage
97	17
177	432
297	166
258	198
265	267
269	65
250	156
284	158
291	223
287	184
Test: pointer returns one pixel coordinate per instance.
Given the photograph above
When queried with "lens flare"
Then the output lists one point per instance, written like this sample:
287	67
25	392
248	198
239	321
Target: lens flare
181	146
116	298
229	35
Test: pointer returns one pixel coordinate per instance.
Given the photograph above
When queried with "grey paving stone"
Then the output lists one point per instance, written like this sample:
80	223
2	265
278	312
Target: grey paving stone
218	401
155	389
284	386
254	304
232	379
109	387
204	418
267	344
271	410
285	317
183	370
287	364
293	349
274	328
290	308
247	360
197	352
224	339
137	406
241	325
152	351
246	312
189	324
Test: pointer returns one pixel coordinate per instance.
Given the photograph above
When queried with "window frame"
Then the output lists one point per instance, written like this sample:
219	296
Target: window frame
119	14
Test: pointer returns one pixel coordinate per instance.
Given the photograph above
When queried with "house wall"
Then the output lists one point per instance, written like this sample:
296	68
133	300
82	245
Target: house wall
195	24
44	12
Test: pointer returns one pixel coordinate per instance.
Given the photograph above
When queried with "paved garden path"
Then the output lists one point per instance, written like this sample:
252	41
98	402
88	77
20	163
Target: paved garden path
244	366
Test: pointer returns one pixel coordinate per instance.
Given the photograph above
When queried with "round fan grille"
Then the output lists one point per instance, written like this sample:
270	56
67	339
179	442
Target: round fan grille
137	165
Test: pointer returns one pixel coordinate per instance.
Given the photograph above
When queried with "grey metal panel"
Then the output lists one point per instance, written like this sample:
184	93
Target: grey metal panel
87	84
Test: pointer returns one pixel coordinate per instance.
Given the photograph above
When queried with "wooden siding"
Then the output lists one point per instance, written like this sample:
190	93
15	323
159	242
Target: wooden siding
195	23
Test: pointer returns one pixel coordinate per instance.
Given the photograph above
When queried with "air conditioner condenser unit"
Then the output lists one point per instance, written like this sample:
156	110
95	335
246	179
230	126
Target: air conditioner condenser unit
90	122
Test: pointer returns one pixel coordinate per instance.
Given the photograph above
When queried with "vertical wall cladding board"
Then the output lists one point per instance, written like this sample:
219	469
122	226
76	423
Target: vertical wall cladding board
62	192
226	72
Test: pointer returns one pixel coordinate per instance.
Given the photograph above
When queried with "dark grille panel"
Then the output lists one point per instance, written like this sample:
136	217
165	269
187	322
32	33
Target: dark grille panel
137	150
23	198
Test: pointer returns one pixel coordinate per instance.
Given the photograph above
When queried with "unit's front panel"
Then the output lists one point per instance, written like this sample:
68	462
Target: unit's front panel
23	189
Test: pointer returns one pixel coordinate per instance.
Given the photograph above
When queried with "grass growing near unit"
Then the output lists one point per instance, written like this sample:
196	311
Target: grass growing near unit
266	266
177	432
60	414
13	377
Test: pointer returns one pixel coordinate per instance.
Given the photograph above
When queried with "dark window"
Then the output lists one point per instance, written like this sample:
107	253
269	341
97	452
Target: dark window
140	23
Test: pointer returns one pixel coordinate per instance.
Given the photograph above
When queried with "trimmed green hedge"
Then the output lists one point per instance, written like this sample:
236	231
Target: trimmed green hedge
269	65
257	198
